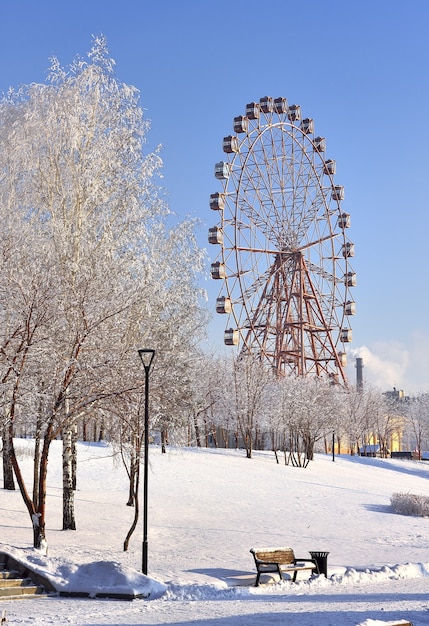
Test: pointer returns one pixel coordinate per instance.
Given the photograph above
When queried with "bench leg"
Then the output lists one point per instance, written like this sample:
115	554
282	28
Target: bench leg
258	576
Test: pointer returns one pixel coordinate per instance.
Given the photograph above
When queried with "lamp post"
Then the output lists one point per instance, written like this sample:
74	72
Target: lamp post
146	357
333	445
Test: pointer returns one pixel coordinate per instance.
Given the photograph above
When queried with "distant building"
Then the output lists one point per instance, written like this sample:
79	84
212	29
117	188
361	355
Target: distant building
374	450
396	394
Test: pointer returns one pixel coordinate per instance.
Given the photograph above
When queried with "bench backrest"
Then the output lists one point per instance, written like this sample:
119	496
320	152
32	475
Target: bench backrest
278	555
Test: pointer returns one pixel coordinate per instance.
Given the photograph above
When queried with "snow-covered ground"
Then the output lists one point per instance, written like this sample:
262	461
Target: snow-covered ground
207	508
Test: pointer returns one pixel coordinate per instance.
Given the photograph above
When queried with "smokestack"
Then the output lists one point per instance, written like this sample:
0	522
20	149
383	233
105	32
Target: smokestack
359	373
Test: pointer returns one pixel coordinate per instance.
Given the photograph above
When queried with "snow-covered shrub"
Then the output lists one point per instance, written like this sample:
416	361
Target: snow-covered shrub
24	451
410	504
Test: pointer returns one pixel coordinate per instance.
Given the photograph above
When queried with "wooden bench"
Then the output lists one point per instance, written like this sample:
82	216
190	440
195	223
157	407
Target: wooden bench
279	561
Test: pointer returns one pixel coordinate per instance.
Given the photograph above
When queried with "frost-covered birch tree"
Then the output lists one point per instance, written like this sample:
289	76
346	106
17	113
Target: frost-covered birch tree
417	420
301	417
354	416
248	400
96	279
367	418
207	420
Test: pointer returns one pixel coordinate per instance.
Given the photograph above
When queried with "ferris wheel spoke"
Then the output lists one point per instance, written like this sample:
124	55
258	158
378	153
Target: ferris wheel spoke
316	242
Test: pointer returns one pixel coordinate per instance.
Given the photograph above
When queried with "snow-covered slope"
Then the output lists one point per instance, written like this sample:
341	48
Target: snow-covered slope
207	508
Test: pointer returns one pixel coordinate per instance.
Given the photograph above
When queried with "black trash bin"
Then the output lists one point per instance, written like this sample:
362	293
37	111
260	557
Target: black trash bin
321	559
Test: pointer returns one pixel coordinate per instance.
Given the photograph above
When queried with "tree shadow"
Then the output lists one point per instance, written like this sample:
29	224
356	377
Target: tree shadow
380	508
322	618
420	469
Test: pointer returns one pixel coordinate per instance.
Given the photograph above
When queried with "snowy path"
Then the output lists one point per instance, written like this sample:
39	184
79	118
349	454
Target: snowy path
344	607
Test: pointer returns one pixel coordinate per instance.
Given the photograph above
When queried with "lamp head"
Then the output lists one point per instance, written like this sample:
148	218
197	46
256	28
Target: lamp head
146	356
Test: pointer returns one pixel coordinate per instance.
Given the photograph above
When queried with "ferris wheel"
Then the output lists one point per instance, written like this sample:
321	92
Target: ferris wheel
284	258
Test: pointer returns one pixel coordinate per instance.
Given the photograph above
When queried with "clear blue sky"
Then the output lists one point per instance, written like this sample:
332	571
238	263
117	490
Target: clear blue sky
360	69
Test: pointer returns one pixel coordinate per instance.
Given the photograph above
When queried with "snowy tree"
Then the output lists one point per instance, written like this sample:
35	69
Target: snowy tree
302	415
417	419
207	418
388	420
368	418
248	400
316	414
100	274
351	418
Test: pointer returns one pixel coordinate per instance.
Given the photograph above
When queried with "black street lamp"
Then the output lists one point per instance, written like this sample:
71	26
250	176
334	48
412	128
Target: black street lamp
146	357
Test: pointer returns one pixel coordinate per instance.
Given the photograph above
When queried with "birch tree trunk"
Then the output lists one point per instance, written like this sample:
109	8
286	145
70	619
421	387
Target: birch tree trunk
8	480
132	480
38	516
36	459
74	438
135	492
69	522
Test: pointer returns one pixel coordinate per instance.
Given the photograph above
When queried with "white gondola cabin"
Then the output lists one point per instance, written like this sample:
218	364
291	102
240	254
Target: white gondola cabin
266	104
350	279
350	308
330	167
320	144
307	125
348	249
223	305
338	193
346	335
294	112
222	170
217	270
230	144
217	201
215	235
344	221
252	111
230	337
280	105
342	356
241	124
